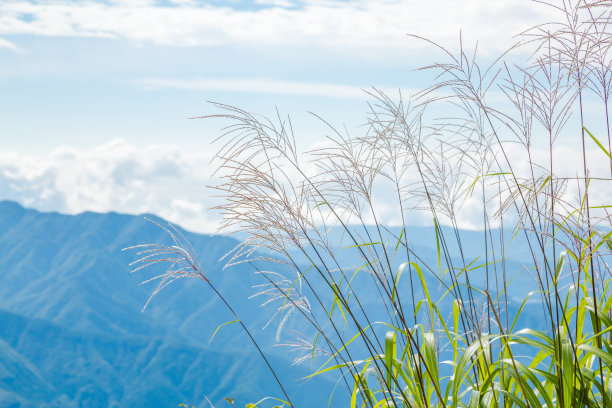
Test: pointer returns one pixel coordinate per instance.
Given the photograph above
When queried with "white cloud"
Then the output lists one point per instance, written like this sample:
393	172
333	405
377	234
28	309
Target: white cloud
356	25
276	3
11	46
116	176
568	164
134	3
265	86
163	180
188	3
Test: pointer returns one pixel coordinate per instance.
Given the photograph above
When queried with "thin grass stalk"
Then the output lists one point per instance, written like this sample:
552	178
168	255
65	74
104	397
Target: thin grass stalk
190	267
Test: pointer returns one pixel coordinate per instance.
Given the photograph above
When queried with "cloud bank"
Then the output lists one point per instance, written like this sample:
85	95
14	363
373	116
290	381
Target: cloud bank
116	176
163	180
320	23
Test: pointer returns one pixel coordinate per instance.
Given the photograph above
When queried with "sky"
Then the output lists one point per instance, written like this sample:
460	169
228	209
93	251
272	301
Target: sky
96	96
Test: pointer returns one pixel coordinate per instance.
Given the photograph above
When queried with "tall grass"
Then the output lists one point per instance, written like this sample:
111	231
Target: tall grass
328	229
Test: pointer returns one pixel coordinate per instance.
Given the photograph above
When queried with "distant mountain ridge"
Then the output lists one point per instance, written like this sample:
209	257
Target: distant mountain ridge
72	332
138	371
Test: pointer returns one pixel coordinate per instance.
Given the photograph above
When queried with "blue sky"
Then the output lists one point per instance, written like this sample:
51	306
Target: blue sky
95	96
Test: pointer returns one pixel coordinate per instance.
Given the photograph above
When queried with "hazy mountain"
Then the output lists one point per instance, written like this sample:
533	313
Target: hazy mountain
44	364
72	332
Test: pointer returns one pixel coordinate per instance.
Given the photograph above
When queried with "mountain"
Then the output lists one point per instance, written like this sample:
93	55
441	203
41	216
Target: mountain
44	364
73	333
72	330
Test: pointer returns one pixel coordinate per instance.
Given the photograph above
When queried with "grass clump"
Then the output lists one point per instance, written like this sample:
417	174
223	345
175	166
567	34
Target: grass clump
447	331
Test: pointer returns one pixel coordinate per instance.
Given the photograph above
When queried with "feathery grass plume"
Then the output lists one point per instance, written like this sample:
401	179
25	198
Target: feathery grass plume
183	263
399	329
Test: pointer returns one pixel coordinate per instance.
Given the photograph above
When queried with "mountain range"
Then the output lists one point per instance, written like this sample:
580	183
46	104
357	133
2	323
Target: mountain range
73	332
